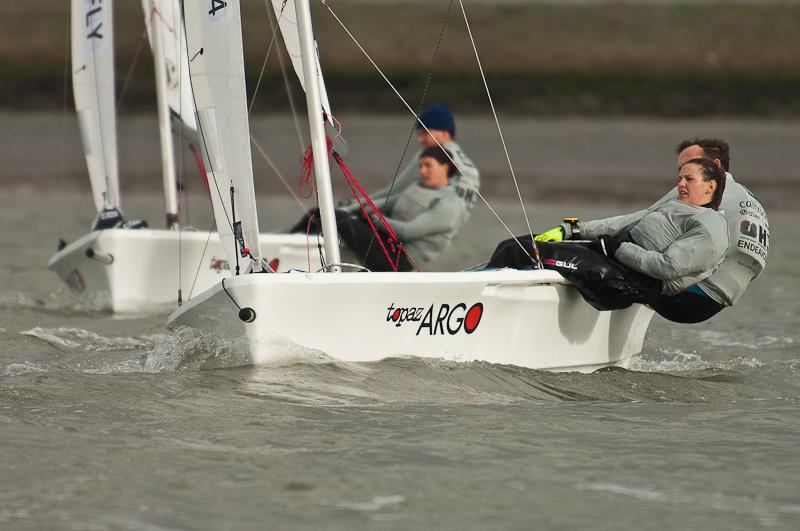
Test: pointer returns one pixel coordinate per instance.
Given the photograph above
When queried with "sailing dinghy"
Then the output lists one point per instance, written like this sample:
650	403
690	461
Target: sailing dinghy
528	318
141	269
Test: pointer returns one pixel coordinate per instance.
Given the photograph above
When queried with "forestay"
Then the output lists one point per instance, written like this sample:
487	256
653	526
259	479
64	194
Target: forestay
216	70
93	86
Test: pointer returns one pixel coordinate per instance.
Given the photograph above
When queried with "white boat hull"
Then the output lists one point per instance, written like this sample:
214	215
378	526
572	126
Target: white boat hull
140	271
525	318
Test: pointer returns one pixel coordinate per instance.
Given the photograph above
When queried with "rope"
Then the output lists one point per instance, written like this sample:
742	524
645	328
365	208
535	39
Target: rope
277	172
202	256
266	58
405	103
131	68
392	240
500	132
419	107
229	295
285	76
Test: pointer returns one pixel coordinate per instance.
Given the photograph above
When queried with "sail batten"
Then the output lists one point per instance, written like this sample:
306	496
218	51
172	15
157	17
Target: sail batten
93	86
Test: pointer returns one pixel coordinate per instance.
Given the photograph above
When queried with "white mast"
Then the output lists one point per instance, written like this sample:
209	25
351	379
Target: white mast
157	37
318	143
93	85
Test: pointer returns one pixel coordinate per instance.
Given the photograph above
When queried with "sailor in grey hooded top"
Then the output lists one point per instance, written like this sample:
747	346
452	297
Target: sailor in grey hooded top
746	257
674	241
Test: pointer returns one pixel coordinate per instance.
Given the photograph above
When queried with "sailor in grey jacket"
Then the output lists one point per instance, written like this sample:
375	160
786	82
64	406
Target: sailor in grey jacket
674	241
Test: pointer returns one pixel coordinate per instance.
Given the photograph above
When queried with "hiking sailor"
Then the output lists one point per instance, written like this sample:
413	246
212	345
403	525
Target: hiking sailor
748	232
661	250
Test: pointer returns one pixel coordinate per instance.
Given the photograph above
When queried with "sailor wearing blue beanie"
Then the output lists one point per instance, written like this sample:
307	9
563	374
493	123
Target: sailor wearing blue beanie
438	117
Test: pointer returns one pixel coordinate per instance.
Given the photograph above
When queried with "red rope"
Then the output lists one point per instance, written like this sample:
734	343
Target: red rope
392	245
305	183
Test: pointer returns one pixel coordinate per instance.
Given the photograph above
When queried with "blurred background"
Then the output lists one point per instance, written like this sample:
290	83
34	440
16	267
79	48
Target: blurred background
593	96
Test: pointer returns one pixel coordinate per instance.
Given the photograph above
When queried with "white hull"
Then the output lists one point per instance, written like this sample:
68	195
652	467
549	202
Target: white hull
527	318
146	266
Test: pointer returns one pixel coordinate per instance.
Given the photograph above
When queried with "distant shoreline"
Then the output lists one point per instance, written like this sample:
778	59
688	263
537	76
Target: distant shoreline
541	59
608	161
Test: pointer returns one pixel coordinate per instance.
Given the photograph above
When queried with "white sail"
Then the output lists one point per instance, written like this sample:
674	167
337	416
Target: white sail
287	21
93	85
216	70
163	18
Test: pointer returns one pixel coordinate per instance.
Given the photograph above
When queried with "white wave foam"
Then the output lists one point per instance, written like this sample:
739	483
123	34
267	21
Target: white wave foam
748	341
634	492
669	360
18	369
78	338
377	503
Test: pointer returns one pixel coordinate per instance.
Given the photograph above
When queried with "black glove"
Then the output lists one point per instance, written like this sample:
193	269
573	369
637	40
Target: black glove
605	244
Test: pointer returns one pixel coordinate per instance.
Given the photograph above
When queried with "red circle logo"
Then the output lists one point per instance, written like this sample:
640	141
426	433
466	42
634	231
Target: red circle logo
473	317
396	315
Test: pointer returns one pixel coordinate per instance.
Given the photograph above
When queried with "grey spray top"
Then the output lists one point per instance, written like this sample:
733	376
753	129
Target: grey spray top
748	230
674	241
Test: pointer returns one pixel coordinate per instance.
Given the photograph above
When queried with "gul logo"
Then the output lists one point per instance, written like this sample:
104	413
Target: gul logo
560	263
438	319
219	265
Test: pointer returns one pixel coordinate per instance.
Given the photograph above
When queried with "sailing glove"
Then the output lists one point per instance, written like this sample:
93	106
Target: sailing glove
605	244
553	235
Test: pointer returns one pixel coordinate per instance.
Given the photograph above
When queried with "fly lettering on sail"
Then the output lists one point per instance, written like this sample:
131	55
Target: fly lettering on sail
94	19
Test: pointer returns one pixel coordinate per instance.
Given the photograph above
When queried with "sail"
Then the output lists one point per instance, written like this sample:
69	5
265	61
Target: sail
162	18
173	90
216	71
287	21
93	86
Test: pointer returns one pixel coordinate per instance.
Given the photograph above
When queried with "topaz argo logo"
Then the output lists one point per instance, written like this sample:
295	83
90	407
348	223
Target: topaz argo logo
438	319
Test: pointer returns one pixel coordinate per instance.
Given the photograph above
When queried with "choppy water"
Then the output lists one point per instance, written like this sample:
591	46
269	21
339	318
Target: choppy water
112	423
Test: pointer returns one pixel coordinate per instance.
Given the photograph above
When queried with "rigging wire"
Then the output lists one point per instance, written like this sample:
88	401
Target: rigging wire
131	68
280	175
405	103
286	85
500	132
202	256
432	67
266	58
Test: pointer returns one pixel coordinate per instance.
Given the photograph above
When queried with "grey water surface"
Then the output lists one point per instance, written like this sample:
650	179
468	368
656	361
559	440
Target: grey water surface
111	422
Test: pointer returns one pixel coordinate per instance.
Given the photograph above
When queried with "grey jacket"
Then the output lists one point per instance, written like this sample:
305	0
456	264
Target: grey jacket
466	184
426	219
748	230
674	241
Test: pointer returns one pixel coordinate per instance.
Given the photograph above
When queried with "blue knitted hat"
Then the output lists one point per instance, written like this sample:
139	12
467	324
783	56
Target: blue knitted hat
438	117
